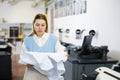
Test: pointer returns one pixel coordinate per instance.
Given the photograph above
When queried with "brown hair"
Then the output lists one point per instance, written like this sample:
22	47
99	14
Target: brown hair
39	16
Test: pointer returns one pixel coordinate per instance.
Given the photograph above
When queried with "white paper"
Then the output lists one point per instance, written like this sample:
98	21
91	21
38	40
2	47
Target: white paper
49	64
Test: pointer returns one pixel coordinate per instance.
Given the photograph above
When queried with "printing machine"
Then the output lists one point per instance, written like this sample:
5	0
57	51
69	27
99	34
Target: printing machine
105	73
86	51
5	61
102	73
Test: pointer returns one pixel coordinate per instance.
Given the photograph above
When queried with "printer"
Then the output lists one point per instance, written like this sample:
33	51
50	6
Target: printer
105	73
102	73
87	51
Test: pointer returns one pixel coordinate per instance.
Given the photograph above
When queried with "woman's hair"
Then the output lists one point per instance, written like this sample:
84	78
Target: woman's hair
39	16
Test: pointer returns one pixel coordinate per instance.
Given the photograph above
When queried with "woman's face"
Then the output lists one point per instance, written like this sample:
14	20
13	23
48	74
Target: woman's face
40	27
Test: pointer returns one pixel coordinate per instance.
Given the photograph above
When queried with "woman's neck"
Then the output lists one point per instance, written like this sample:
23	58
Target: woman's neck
40	35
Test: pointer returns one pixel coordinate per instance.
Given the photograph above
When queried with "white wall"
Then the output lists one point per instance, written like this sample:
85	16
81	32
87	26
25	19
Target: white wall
104	17
22	12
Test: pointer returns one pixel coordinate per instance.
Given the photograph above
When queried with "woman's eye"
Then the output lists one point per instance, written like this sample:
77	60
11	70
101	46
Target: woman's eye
43	25
40	25
37	25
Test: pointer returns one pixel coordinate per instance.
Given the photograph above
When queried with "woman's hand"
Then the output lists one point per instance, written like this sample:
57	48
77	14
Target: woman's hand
29	66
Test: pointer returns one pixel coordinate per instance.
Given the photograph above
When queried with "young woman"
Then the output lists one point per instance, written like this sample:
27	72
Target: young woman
40	41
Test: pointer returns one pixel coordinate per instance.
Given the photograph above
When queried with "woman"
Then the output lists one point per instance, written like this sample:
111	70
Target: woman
40	41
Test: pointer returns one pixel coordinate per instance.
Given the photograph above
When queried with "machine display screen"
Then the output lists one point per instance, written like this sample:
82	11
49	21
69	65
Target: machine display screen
86	45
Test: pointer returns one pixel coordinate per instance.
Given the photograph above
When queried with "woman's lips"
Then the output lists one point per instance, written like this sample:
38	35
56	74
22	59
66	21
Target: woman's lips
39	30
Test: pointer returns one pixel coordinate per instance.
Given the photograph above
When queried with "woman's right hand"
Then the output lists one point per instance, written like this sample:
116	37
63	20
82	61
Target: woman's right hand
29	66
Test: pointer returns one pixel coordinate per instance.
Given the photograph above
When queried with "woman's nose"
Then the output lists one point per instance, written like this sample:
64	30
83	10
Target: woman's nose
39	26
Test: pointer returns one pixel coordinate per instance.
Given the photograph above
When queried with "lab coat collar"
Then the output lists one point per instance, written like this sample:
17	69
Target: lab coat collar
45	36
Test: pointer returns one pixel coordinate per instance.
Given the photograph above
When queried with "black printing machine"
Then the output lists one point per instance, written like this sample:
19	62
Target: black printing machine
87	51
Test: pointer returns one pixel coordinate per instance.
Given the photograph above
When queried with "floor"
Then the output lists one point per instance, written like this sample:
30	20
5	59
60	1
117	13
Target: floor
17	69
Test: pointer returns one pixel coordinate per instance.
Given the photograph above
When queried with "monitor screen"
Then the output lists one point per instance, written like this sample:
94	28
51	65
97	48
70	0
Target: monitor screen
86	45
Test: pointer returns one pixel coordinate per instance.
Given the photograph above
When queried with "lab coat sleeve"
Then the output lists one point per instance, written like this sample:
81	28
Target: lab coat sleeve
23	56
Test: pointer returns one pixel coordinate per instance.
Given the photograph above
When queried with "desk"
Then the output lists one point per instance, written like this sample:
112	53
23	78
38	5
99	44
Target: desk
75	67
